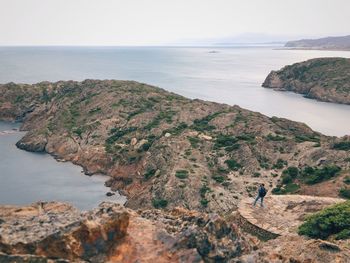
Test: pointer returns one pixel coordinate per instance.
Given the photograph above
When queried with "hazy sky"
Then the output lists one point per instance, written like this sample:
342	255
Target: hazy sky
152	22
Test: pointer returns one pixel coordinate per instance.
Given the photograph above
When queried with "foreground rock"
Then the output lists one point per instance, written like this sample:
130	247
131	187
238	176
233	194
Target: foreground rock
297	249
161	149
111	233
56	230
324	79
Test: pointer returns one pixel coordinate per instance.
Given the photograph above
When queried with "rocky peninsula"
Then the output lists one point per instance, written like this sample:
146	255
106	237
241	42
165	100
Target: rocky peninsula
324	79
187	164
326	43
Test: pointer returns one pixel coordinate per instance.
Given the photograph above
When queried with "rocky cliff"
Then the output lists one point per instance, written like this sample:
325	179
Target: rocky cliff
324	79
164	150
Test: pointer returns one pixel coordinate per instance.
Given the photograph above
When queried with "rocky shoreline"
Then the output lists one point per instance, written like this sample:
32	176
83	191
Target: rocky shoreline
161	149
323	79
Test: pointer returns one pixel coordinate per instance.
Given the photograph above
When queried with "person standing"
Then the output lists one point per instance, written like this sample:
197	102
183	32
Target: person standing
261	194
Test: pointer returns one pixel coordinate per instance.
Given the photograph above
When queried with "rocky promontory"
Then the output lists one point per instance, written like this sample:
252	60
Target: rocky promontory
324	79
162	150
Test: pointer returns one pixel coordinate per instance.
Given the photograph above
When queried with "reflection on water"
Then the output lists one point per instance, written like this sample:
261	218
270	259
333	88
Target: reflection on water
229	75
28	177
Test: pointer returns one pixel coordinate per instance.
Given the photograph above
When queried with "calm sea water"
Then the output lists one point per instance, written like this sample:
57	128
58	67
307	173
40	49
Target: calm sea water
29	177
231	75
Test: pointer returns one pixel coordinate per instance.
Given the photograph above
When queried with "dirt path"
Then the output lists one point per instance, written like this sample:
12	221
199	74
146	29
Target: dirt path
282	214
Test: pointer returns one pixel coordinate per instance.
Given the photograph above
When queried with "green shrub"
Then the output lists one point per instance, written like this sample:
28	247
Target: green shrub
345	234
194	141
286	189
232	147
177	130
345	193
316	175
204	202
203	124
204	189
225	141
145	147
163	115
276	138
292	171
346	180
286	179
233	164
218	178
279	164
307	138
159	203
246	137
95	110
256	174
334	220
181	174
149	173
345	146
116	134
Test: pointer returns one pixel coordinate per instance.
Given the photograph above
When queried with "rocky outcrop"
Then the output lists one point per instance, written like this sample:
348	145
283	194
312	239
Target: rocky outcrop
324	79
298	249
214	238
57	232
33	144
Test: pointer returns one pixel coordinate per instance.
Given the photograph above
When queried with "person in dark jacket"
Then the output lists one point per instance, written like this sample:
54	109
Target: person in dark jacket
261	194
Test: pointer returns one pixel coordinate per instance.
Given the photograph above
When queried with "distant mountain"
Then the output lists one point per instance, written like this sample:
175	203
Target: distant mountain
331	43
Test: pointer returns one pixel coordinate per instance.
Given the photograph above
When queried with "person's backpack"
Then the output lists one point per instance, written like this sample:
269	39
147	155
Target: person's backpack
262	191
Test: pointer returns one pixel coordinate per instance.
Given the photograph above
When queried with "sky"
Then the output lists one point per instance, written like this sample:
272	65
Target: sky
167	22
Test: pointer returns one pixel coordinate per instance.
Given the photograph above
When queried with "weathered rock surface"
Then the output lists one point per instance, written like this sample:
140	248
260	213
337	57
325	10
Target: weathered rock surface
57	232
297	249
324	79
213	238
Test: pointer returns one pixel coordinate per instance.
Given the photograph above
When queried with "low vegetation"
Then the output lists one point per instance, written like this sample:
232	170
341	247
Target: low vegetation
159	203
292	176
181	174
345	146
344	193
332	221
